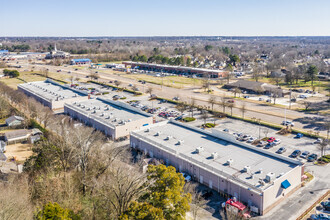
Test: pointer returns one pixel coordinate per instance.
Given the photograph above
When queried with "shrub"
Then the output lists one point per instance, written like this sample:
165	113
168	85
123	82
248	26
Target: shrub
123	98
188	119
209	125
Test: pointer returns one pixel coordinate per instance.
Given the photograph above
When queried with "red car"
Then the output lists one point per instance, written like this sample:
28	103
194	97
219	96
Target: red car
271	140
231	101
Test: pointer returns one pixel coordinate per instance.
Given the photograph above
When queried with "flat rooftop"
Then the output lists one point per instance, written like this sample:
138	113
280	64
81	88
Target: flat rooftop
107	112
225	150
50	91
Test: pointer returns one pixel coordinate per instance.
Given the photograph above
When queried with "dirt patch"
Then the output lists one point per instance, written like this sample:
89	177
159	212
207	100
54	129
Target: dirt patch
19	151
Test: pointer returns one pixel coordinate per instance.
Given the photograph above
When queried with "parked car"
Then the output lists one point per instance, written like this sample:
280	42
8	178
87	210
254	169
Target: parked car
261	99
226	130
269	145
295	153
281	150
326	205
130	85
320	217
251	139
268	100
59	70
110	81
303	96
277	141
176	98
187	178
305	154
231	101
271	140
246	96
299	135
69	71
262	144
312	158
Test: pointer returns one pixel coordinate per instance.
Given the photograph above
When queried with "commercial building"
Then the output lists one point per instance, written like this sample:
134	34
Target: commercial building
17	136
253	176
212	73
115	119
80	61
52	94
4	52
256	87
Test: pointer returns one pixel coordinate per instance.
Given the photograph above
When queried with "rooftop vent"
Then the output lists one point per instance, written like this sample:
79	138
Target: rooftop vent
94	111
247	169
214	155
260	170
180	142
102	114
199	149
270	176
129	120
148	129
158	133
230	162
261	181
168	138
88	108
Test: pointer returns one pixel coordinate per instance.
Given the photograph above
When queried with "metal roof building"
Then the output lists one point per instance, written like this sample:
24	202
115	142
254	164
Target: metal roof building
80	61
216	159
116	119
52	94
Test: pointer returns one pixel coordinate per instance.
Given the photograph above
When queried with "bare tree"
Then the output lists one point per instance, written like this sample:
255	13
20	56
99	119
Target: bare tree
212	100
117	83
323	145
307	105
266	131
223	104
231	106
181	107
94	75
192	106
243	109
236	91
150	90
204	115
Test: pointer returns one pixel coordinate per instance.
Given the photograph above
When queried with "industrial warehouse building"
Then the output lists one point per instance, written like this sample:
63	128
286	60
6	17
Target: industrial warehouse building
253	176
52	94
115	119
212	73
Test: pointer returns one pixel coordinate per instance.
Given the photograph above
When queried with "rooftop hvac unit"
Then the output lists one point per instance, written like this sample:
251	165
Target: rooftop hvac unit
168	138
270	176
180	142
107	116
106	108
148	130
230	162
129	120
74	103
88	108
214	155
82	106
75	95
94	107
102	114
261	181
94	111
99	108
260	170
158	133
281	174
114	120
199	149
247	169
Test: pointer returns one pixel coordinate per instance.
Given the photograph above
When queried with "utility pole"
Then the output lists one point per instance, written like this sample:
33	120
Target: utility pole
290	98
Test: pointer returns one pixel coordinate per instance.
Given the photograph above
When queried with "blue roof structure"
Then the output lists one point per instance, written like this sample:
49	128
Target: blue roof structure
82	60
4	51
285	184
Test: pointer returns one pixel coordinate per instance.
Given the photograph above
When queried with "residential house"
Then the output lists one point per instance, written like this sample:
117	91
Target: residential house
14	120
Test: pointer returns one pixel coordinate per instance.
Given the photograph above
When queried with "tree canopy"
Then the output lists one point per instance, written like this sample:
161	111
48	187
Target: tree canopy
11	73
53	211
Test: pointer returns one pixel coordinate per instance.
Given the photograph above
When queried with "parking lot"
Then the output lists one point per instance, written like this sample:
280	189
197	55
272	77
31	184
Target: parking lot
291	143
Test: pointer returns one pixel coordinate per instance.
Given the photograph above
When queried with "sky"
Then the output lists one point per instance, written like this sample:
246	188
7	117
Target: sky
88	18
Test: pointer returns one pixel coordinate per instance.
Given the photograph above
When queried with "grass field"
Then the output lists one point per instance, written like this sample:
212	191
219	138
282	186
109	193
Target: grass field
31	77
170	81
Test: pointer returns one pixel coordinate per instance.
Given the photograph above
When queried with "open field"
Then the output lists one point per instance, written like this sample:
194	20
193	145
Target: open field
171	81
20	151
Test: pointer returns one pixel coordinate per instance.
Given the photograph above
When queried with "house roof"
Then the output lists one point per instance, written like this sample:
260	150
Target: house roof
14	118
249	85
16	133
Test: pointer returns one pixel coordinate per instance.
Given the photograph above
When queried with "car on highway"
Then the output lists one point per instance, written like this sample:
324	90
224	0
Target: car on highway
312	158
320	216
76	69
295	154
281	150
271	140
305	154
299	135
69	71
59	70
186	177
287	123
231	101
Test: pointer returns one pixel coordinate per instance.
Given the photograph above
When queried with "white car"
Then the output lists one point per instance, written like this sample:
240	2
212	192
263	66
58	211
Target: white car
277	141
186	177
288	123
251	139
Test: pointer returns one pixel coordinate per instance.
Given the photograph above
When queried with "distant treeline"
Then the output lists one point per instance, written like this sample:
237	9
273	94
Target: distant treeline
16	48
160	59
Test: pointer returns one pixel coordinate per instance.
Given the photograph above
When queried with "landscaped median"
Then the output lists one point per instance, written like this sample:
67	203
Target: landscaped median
124	89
